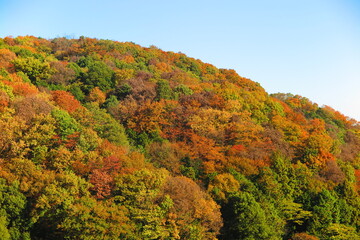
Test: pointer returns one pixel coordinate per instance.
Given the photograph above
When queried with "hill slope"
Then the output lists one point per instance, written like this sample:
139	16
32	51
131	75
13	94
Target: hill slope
108	140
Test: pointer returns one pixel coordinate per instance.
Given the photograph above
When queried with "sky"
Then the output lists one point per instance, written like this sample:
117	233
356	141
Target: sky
308	47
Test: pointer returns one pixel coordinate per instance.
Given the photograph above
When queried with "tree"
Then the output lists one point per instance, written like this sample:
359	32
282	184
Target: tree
166	155
97	96
23	88
123	74
38	137
163	90
325	212
53	203
11	133
89	219
29	107
121	91
146	118
205	150
13	222
106	126
341	232
210	123
182	89
98	75
196	214
65	100
317	148
65	124
4	100
62	75
222	186
6	57
102	183
138	192
245	219
35	69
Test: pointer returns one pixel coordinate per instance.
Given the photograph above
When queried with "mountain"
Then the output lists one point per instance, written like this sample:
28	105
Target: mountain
108	140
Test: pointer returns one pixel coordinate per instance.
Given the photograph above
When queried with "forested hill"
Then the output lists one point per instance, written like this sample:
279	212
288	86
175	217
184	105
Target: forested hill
108	140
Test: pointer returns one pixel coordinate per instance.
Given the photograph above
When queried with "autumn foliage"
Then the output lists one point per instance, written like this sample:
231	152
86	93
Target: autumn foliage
65	100
109	140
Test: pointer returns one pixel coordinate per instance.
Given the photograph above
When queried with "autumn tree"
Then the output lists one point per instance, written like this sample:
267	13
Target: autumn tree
29	107
196	214
6	57
65	100
317	148
138	192
34	68
62	75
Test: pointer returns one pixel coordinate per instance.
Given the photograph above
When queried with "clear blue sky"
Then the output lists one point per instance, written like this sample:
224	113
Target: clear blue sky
307	47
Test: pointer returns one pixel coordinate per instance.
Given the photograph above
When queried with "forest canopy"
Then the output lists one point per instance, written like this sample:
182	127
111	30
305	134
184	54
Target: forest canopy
110	140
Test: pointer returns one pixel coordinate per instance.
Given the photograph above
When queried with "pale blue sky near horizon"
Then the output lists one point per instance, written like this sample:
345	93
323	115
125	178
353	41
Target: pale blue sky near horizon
308	47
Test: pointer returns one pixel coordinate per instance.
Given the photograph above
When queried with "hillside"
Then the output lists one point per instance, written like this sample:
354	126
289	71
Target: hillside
108	140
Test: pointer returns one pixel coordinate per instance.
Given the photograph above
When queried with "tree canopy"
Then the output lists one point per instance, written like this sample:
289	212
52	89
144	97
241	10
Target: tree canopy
110	140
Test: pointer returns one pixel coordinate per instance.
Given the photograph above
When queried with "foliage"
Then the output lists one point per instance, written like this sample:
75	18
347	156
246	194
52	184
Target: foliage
108	140
35	69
